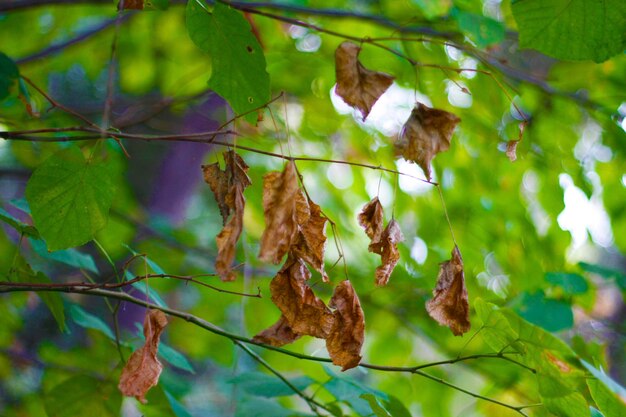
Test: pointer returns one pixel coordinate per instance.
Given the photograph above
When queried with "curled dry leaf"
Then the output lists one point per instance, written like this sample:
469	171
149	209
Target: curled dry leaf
387	248
356	85
304	312
278	334
371	219
130	5
511	150
383	242
280	198
228	187
311	237
348	331
143	368
449	305
426	133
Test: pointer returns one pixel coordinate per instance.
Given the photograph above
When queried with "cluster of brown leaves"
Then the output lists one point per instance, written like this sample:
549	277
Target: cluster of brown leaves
143	369
384	242
228	187
295	226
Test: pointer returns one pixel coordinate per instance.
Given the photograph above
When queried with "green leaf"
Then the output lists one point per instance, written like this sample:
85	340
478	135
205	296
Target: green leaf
257	383
52	299
70	257
175	358
9	74
532	335
145	288
552	315
21	228
609	382
89	321
596	413
571	283
572	29
347	389
238	64
560	398
155	267
496	330
607	273
396	408
375	405
482	30
607	401
83	396
263	407
70	198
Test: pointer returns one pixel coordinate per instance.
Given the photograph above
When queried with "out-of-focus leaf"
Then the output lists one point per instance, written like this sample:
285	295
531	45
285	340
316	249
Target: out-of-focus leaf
482	30
70	198
257	383
238	72
20	227
604	272
143	368
71	257
89	321
375	405
162	403
574	29
552	315
609	382
356	85
609	403
151	263
571	283
9	74
263	407
175	358
347	389
396	408
83	396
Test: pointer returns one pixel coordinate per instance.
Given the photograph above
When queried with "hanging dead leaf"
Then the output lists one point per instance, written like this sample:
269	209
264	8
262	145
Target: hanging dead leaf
371	219
228	187
278	334
311	237
346	336
130	5
280	198
449	305
511	150
426	133
356	85
305	313
387	248
143	369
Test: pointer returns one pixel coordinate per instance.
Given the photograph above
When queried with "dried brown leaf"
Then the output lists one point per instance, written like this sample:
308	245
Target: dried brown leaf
280	198
305	313
278	334
426	133
143	368
371	219
228	187
511	150
130	5
348	331
311	237
388	249
449	305
356	85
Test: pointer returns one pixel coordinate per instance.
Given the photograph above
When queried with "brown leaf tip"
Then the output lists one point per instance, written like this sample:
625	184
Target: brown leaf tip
143	369
449	305
356	85
426	133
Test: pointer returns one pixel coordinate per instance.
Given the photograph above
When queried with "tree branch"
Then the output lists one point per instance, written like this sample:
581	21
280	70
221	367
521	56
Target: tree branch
18	287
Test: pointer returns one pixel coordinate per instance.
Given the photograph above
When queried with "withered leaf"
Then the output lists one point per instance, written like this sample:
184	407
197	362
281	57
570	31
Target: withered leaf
371	219
311	237
348	331
388	249
449	305
511	150
228	187
280	196
130	5
143	369
426	133
356	85
304	312
278	334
